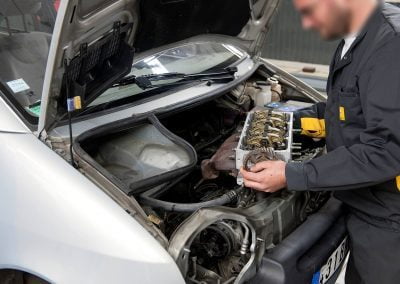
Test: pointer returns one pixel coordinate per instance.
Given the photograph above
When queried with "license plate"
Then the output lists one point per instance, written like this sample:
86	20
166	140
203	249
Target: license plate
334	261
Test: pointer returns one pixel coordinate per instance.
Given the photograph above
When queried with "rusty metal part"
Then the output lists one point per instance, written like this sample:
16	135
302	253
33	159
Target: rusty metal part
222	161
267	129
258	156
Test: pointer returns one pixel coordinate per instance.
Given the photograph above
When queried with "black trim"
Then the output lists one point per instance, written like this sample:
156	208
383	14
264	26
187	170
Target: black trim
97	66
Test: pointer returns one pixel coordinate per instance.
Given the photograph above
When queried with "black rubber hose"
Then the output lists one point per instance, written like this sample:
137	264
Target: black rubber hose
189	207
148	199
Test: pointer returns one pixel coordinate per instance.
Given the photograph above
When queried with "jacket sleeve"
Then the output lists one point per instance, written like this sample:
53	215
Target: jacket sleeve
376	158
311	121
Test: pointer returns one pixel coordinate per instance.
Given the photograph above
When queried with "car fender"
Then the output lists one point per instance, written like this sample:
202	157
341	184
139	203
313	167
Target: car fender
9	121
58	225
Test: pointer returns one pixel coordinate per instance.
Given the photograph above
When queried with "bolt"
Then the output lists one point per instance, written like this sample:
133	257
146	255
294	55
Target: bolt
260	240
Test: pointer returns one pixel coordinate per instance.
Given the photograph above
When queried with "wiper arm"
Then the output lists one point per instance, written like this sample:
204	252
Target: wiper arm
145	82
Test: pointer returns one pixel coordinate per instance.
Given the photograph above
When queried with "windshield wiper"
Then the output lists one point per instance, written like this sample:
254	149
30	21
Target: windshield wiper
145	82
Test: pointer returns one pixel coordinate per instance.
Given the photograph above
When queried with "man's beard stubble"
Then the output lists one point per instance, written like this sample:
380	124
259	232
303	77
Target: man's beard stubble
340	26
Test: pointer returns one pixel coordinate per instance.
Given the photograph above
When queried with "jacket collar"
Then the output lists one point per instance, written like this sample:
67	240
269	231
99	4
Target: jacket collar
368	27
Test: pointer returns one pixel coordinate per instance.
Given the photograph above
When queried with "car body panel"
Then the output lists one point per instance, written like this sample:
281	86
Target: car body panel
295	82
9	121
315	75
58	225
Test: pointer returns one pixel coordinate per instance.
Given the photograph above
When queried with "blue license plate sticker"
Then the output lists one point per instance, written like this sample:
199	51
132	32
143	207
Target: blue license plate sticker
332	264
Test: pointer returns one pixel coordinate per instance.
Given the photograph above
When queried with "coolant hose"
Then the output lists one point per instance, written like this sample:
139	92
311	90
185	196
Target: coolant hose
189	207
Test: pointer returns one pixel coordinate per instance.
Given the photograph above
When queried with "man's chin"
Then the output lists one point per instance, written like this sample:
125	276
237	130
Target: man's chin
330	36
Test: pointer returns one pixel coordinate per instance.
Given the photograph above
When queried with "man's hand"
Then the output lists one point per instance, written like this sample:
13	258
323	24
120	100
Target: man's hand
266	176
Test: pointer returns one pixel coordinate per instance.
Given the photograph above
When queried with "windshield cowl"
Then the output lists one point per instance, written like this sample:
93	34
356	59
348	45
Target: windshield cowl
188	58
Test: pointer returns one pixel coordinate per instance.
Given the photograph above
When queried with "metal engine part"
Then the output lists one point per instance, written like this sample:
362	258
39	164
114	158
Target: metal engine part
225	245
260	155
266	135
222	161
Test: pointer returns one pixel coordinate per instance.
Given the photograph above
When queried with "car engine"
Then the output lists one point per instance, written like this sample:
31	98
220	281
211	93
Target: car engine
183	169
218	229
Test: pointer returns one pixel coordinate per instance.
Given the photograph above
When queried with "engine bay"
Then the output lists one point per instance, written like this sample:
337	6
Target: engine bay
183	169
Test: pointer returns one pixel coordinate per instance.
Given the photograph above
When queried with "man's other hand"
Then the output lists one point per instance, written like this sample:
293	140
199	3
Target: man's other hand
266	176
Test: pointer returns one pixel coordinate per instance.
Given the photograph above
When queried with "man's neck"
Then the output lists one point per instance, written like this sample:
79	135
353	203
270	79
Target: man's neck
361	12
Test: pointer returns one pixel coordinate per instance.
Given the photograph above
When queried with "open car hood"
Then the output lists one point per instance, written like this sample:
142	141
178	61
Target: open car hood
94	41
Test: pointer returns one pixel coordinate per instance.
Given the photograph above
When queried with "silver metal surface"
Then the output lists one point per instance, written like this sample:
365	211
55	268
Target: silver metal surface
9	121
56	224
142	153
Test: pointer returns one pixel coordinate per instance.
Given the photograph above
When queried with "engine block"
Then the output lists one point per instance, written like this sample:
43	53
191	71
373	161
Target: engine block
266	135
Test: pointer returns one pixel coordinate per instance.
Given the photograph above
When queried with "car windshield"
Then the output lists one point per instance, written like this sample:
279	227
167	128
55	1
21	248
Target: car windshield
188	58
26	28
25	34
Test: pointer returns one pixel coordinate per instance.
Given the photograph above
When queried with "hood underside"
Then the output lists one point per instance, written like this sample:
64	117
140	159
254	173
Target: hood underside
165	22
84	25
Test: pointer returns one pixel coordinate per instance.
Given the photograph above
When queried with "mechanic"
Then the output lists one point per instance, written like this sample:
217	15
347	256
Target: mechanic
361	125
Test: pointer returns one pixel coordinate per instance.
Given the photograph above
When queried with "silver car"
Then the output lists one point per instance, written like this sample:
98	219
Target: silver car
119	139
